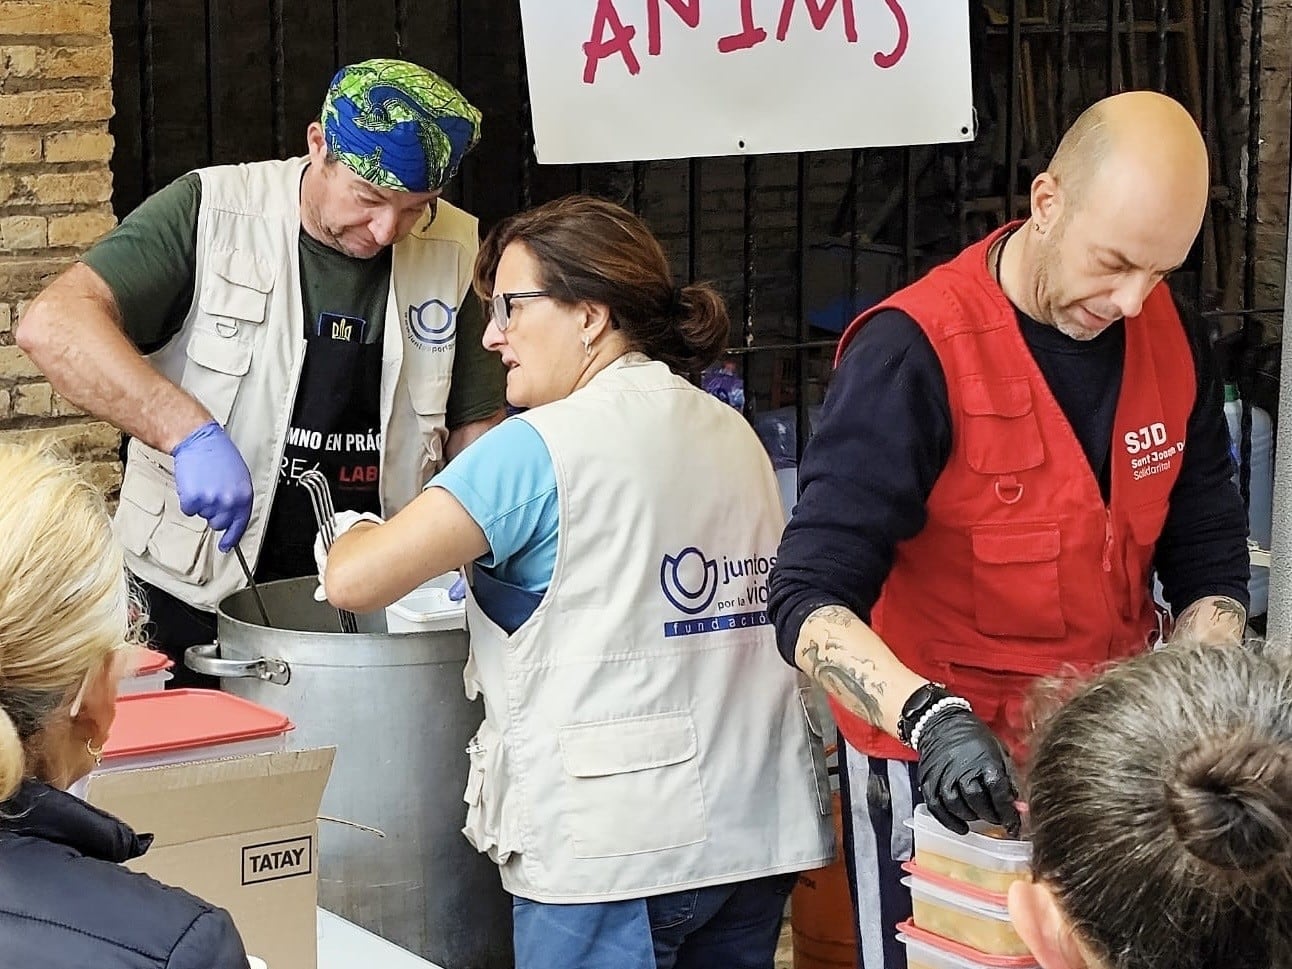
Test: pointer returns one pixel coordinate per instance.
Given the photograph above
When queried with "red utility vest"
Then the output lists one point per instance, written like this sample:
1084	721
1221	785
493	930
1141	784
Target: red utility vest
1021	569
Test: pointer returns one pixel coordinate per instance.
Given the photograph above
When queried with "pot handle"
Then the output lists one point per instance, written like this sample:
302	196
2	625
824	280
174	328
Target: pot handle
205	659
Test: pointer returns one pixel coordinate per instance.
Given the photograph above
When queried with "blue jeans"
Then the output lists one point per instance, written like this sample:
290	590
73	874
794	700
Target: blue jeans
723	927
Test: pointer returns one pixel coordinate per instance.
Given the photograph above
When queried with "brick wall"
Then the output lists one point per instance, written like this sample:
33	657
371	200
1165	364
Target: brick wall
55	191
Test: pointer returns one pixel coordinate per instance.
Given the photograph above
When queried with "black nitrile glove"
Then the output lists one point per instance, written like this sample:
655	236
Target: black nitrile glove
965	774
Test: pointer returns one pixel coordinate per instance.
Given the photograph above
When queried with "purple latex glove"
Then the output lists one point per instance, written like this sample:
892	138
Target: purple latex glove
213	481
458	590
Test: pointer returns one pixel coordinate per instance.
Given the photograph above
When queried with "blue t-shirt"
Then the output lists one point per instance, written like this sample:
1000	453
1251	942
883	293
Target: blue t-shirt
507	484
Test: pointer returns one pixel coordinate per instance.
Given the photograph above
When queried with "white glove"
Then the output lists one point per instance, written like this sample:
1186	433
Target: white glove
342	522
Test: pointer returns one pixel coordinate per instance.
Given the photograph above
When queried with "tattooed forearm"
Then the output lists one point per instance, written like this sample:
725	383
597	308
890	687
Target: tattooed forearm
847	678
1212	621
835	616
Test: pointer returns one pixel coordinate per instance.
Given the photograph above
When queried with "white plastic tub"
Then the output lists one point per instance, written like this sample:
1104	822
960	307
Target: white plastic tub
927	951
979	924
975	858
150	672
176	726
428	608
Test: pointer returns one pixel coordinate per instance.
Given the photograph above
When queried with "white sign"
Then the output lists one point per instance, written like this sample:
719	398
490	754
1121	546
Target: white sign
614	80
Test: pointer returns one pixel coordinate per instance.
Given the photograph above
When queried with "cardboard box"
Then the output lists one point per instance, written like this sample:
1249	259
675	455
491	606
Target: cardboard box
241	833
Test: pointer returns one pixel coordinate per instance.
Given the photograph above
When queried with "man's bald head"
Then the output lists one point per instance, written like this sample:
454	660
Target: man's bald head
1136	133
1118	209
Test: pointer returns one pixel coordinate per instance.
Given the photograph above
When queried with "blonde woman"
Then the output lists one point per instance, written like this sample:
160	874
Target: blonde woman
65	899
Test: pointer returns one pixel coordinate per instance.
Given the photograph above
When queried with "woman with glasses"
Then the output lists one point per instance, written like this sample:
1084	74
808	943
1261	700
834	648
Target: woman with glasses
66	901
648	776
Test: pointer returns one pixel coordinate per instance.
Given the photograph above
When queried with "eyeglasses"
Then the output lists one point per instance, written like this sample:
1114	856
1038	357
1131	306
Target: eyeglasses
500	305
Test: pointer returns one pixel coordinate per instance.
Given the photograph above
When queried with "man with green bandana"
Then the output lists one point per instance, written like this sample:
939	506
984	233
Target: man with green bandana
250	322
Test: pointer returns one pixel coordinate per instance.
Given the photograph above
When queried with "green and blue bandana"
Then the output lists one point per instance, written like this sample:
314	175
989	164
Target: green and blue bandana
398	125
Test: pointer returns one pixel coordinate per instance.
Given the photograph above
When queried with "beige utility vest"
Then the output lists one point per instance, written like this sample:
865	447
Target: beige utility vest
642	734
240	354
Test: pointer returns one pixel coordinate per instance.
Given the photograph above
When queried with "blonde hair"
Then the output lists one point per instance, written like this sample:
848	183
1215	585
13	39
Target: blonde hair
64	597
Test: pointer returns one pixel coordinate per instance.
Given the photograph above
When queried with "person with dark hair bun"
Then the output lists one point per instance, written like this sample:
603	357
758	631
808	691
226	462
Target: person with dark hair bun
1160	804
649	775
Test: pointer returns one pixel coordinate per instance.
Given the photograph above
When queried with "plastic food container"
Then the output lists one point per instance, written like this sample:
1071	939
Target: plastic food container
962	918
927	951
150	673
428	608
974	858
174	726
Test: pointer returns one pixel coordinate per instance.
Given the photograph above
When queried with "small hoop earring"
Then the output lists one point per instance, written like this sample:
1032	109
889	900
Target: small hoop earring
95	752
587	347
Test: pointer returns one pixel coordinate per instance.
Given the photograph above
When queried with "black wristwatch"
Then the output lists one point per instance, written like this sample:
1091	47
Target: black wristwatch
916	706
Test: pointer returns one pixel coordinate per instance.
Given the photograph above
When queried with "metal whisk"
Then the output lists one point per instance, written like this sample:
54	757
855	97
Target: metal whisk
316	486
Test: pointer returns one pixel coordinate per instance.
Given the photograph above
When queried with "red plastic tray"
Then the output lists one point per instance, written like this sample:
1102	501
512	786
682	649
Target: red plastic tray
171	720
149	661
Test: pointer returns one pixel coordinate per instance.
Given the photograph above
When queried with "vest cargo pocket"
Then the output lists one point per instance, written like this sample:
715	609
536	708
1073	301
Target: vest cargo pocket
487	826
149	522
632	785
1016	581
237	287
143	499
214	370
1000	431
234	304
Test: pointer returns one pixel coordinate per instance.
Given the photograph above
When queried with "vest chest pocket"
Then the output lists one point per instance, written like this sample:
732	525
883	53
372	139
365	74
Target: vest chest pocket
632	785
234	302
149	522
214	370
1016	581
999	431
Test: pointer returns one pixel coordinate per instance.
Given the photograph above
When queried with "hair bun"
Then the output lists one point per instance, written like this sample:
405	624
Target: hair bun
1230	802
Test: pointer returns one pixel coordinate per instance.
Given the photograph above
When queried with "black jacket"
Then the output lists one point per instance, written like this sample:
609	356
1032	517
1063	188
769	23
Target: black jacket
66	902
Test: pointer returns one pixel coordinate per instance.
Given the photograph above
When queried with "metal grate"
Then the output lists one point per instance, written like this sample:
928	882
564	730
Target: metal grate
797	243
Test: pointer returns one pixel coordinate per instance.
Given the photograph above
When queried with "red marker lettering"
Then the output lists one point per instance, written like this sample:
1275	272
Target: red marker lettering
597	49
688	10
819	11
749	36
903	37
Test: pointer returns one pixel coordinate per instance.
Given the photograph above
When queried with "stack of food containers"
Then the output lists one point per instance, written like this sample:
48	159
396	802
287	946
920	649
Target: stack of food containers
170	727
958	889
149	672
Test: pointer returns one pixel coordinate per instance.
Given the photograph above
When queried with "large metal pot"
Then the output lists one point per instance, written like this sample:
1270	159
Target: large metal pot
394	707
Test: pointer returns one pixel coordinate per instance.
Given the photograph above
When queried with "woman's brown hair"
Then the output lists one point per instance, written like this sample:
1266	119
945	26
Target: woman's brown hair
592	250
1160	802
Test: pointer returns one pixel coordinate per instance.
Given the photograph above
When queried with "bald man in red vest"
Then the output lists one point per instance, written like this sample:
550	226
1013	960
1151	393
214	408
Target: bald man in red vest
1010	447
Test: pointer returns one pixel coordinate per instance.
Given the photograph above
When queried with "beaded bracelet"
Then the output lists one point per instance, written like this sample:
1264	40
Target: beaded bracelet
946	703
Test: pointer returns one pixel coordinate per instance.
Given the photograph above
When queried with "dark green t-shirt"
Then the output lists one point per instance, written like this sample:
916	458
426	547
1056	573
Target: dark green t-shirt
148	263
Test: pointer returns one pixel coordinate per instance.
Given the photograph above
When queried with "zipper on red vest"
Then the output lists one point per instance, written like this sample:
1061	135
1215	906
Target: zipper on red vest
1108	540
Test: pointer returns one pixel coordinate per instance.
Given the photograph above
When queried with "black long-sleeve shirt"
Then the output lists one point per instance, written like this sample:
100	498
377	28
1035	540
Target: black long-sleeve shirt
884	437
